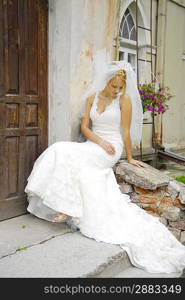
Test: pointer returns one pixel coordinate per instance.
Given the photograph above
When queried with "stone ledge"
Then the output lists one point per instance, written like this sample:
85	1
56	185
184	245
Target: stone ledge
147	178
156	193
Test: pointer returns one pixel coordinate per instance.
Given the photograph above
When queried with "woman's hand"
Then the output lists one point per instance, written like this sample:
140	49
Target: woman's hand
108	147
137	163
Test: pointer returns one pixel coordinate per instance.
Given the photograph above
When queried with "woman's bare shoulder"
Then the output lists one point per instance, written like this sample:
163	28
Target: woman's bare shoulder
125	99
90	99
87	106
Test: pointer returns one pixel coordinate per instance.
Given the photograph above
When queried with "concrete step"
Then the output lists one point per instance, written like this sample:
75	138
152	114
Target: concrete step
31	247
25	231
68	255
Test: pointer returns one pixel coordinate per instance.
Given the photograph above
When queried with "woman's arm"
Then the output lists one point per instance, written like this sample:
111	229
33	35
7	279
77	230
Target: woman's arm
85	123
126	117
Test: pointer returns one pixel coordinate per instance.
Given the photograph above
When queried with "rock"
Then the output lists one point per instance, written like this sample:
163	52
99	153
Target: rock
153	213
119	179
173	189
146	192
148	200
178	225
182	195
142	191
163	221
166	194
176	202
146	178
182	237
171	213
175	185
176	188
140	205
176	233
182	215
134	197
118	169
125	188
146	196
165	203
150	209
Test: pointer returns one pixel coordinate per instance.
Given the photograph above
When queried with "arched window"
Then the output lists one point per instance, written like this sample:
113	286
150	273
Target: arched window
127	35
128	49
127	27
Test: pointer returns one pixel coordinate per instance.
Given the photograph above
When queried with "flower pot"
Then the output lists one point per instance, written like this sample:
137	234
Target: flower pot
147	115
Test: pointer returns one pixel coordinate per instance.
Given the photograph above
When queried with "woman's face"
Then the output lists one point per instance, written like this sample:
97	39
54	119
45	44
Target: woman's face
114	87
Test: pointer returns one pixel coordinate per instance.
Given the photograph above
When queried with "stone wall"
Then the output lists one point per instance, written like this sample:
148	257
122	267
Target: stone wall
155	192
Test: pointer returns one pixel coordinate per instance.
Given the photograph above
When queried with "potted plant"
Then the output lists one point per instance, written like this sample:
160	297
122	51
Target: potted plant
154	99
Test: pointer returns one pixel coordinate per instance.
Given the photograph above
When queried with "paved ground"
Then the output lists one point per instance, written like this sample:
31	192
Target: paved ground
32	247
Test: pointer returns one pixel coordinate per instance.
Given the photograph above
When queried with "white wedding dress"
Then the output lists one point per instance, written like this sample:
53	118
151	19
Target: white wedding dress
77	179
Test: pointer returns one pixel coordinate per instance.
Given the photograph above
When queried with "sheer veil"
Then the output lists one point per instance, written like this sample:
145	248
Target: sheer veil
104	70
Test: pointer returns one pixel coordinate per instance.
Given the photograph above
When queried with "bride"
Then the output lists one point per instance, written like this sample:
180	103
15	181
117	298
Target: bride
74	182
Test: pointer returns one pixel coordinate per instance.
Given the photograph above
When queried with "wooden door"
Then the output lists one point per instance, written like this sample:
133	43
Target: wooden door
23	97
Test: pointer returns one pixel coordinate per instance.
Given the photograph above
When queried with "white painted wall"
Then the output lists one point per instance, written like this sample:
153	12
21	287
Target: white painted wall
59	70
174	75
77	28
94	26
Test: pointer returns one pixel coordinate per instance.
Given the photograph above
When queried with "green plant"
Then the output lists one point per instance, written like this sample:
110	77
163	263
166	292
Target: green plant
20	249
180	179
154	99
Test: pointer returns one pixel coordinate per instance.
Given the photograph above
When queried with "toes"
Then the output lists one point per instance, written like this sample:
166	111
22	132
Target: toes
60	217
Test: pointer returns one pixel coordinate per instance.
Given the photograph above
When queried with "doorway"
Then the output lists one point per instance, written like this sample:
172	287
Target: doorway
23	97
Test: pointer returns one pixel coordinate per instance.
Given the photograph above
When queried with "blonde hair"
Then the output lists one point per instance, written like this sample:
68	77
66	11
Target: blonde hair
121	74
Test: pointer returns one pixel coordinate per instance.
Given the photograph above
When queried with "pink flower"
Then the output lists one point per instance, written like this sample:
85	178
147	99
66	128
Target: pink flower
141	91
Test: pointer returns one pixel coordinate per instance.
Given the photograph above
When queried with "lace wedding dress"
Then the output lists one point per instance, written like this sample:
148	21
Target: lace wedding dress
77	179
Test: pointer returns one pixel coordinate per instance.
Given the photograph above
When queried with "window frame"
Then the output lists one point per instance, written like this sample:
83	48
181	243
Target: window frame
125	16
128	46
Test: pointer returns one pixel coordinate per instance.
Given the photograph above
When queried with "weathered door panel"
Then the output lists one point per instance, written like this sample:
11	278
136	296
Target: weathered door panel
23	97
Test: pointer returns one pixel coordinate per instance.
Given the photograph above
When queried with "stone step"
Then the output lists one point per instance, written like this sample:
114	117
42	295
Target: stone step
31	247
68	255
25	231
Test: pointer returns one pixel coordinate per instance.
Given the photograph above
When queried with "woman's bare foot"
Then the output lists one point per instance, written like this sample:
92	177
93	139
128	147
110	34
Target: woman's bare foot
60	217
